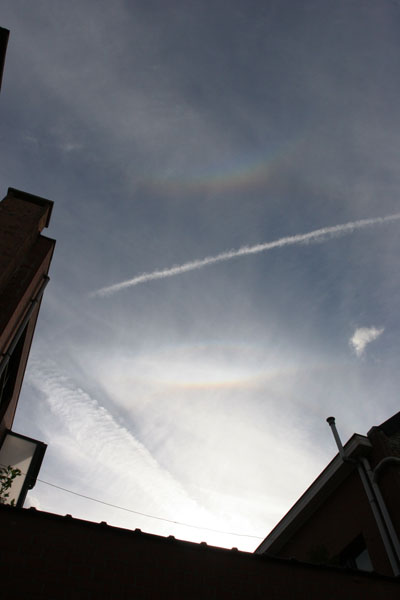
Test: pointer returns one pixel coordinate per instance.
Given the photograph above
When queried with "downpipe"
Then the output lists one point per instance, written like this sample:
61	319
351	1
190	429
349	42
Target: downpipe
375	500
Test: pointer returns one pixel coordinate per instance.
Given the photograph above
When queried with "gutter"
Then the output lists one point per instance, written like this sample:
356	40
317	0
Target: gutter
333	474
375	498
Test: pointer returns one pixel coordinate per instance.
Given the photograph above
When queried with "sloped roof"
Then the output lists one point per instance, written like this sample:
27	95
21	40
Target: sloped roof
329	480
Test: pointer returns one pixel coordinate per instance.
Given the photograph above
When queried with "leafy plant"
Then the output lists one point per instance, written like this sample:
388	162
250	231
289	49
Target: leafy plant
7	476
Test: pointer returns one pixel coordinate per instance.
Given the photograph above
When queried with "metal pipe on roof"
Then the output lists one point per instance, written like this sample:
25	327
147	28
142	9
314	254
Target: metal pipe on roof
332	425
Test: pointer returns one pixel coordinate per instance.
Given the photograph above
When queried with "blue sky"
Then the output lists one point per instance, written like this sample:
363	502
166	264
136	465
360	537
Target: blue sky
170	132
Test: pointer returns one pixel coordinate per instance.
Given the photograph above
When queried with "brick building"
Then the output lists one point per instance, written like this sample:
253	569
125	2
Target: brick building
350	515
25	257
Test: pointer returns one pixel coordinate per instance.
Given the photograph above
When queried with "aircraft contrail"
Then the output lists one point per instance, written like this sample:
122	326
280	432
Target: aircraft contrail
318	235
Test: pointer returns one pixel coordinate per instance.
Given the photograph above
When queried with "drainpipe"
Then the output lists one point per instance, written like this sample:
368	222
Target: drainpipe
5	358
382	505
372	499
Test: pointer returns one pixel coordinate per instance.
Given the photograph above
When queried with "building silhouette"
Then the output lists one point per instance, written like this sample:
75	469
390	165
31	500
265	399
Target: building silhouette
49	556
350	515
25	257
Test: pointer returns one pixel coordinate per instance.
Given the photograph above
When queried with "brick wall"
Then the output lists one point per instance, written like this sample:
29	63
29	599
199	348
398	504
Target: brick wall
25	258
20	224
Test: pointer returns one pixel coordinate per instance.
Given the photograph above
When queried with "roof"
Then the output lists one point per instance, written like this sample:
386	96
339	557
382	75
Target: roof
330	478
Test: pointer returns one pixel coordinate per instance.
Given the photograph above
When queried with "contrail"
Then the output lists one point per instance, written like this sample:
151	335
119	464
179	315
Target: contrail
318	235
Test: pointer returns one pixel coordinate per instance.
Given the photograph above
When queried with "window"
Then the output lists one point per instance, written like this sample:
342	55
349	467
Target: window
9	375
356	556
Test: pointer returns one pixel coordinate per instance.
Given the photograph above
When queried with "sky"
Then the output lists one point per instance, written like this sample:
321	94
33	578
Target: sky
225	277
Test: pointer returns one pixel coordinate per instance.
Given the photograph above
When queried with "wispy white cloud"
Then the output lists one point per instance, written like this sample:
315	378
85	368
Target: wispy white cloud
104	460
318	235
363	336
110	447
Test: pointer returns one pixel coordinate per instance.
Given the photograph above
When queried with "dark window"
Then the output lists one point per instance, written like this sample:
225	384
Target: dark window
356	556
9	374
